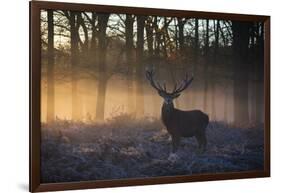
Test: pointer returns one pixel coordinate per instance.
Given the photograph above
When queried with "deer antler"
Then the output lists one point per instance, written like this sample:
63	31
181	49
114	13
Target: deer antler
183	85
177	88
150	75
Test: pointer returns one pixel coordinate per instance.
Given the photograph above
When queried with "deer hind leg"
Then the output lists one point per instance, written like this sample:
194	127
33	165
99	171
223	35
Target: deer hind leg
202	142
175	143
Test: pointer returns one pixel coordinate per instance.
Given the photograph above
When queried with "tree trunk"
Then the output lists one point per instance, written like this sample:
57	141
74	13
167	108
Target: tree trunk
240	54
149	37
129	24
176	36
164	38
85	44
213	70
216	29
50	70
76	111
206	66
139	67
93	39
196	51
259	76
196	42
181	37
157	37
102	75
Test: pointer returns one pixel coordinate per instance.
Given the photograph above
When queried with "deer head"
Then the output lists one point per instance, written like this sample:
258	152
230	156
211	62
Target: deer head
162	91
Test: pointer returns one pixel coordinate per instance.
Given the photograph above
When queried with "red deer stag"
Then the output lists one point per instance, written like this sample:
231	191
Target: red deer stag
180	123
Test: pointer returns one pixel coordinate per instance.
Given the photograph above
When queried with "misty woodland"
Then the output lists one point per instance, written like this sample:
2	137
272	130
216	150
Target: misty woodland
136	96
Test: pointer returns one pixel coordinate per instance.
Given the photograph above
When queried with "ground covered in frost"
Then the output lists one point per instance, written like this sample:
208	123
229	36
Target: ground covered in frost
124	147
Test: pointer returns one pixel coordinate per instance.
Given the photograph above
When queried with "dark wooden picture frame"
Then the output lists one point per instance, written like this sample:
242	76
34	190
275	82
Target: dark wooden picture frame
35	77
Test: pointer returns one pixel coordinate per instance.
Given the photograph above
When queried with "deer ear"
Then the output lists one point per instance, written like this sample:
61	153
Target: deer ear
176	95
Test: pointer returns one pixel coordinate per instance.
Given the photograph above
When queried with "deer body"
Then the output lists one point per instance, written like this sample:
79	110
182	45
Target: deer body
180	123
185	124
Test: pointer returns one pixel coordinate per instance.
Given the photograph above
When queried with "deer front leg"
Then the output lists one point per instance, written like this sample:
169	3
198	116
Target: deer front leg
175	143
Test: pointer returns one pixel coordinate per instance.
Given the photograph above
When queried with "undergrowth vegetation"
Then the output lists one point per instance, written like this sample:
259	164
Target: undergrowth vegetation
125	147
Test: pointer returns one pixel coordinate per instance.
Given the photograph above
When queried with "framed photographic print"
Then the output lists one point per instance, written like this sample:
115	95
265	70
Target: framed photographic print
123	96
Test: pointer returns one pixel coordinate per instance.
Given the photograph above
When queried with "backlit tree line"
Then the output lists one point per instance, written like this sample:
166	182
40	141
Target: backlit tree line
219	53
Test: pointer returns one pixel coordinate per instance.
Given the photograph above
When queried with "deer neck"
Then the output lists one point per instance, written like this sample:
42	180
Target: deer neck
167	109
167	114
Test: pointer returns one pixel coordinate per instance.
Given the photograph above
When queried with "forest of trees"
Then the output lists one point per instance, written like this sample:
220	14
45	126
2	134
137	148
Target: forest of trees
88	49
